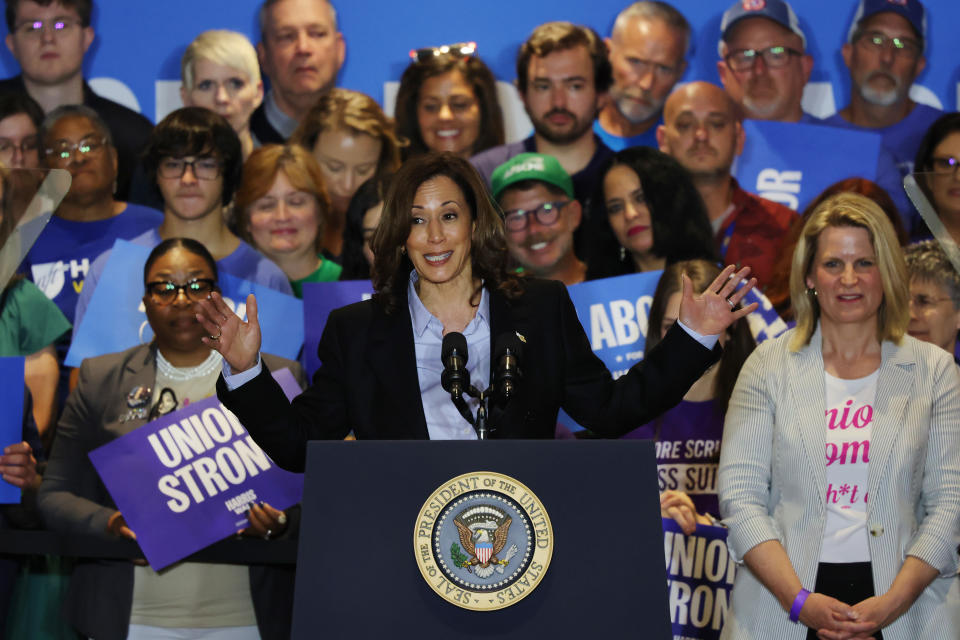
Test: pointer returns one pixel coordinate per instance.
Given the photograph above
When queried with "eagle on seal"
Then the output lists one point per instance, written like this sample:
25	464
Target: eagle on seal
483	551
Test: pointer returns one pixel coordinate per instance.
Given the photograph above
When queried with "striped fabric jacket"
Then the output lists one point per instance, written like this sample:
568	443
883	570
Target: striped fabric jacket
772	479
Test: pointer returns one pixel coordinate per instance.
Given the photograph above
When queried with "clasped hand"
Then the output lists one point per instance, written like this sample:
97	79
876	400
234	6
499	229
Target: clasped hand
19	467
836	620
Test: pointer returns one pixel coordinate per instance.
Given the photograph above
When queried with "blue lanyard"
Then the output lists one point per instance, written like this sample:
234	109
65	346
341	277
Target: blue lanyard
725	243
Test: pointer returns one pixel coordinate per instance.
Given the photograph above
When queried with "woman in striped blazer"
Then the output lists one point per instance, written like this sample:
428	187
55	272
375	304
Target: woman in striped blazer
840	465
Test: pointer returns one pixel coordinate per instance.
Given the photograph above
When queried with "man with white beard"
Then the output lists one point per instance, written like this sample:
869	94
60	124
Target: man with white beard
647	48
884	53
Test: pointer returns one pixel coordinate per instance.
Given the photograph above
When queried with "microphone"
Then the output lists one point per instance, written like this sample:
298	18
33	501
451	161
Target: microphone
508	353
455	378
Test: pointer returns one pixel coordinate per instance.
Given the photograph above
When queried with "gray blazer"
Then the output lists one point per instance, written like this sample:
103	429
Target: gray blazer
74	500
772	479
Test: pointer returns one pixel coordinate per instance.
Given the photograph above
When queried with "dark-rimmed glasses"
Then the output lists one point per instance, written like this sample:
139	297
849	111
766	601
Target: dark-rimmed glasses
62	150
28	144
546	214
203	168
773	57
906	47
163	292
458	49
34	28
944	165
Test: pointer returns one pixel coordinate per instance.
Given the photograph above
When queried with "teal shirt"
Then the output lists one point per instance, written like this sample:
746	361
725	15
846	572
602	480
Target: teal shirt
29	321
328	271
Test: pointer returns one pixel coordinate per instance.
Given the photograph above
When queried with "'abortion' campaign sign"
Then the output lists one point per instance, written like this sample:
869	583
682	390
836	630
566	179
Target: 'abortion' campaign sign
11	416
319	299
116	318
700	574
186	480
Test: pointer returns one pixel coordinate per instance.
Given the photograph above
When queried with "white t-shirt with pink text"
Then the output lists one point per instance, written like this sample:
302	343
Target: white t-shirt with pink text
849	423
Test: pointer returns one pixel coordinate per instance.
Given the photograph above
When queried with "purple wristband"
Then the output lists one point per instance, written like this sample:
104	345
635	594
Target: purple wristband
798	605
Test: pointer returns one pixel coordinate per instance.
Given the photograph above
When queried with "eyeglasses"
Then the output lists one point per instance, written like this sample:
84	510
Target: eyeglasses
642	67
773	57
458	50
924	303
163	292
62	150
906	47
35	28
546	214
27	145
944	165
203	168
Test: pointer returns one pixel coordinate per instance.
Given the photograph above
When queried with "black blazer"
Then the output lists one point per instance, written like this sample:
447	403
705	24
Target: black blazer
368	381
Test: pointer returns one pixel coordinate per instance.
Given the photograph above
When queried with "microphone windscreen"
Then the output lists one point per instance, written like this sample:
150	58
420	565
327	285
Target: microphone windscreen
453	341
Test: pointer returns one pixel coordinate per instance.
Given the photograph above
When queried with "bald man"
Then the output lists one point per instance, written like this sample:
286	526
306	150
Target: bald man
702	130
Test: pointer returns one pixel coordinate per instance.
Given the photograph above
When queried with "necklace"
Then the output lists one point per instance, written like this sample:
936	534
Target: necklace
181	374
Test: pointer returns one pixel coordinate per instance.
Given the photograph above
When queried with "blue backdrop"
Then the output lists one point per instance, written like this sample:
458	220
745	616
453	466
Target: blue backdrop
139	44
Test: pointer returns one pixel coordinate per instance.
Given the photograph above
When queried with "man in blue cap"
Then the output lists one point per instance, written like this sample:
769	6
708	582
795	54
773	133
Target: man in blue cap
763	61
885	54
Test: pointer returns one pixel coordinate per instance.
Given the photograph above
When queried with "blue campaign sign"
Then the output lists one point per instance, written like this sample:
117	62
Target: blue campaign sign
116	319
11	416
791	162
186	480
319	299
700	574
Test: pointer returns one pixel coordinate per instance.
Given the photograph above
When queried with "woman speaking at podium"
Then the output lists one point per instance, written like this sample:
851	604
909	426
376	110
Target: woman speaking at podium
440	267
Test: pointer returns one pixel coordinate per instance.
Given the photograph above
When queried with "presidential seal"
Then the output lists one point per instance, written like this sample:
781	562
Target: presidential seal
483	541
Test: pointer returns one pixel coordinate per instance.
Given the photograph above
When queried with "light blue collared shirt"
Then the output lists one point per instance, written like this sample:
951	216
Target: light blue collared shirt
444	421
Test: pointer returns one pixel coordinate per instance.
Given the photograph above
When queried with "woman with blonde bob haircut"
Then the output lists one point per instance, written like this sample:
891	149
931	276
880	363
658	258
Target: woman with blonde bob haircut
220	72
282	210
843	407
353	140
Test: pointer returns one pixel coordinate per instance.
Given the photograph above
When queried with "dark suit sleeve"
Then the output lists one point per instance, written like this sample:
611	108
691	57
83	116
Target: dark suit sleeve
70	481
283	428
613	407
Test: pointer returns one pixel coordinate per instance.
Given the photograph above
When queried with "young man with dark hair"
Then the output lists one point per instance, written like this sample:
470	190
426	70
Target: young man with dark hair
563	74
195	159
49	39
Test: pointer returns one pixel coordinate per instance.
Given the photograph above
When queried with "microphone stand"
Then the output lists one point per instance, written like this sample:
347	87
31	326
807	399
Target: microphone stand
480	422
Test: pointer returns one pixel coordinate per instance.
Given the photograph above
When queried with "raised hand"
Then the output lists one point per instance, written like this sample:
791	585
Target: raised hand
711	312
237	341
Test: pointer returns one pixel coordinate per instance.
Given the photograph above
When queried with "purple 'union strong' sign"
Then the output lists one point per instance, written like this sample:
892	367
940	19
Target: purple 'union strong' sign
185	480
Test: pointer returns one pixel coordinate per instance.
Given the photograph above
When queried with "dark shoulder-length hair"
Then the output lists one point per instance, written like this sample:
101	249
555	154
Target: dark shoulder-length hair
488	248
923	161
681	226
739	343
481	81
370	194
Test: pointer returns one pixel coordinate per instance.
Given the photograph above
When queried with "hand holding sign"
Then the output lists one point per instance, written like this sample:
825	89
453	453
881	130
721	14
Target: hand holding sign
679	506
237	341
19	467
711	312
117	526
265	521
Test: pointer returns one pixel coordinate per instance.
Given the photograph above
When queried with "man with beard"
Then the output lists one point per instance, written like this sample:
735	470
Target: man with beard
647	49
563	75
763	64
540	216
702	131
884	53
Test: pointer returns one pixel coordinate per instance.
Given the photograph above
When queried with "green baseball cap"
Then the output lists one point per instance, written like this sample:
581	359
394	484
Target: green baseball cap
530	166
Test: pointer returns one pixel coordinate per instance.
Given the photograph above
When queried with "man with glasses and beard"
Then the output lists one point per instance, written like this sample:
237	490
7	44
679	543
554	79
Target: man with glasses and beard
540	216
763	61
701	129
563	75
884	53
647	48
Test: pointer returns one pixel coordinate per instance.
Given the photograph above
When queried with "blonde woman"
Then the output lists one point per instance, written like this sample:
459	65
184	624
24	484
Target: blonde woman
220	72
840	465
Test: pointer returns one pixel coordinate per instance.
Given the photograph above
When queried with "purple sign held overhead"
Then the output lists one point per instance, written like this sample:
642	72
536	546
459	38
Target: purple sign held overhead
185	480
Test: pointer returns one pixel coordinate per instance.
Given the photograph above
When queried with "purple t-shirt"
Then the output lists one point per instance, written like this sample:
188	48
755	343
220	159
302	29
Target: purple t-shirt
688	450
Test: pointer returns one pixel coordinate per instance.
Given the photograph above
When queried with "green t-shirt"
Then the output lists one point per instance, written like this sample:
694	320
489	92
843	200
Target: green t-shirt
29	321
328	271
